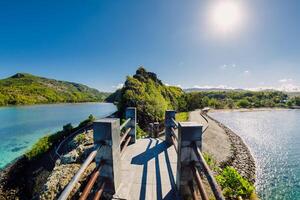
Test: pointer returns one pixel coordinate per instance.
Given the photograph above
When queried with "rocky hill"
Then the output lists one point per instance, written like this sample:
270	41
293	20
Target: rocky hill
23	88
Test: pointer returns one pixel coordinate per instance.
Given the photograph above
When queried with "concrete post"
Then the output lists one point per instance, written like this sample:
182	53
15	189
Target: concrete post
151	129
107	135
131	113
188	133
169	115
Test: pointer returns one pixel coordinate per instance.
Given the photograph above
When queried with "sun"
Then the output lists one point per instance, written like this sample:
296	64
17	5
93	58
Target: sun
226	16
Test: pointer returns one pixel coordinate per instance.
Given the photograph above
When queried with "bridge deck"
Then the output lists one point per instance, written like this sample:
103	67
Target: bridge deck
148	171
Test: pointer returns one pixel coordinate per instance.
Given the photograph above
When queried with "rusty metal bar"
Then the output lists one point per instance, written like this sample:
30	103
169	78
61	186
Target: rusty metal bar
193	192
175	123
65	194
124	124
124	135
210	178
125	145
91	183
199	183
174	134
205	129
174	143
99	192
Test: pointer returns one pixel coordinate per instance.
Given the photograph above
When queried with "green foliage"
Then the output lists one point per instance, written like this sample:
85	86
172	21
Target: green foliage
233	99
22	89
149	95
140	133
233	184
182	116
44	144
243	103
211	162
79	138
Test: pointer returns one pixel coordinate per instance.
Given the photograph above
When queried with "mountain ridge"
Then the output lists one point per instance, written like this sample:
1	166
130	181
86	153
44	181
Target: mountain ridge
26	89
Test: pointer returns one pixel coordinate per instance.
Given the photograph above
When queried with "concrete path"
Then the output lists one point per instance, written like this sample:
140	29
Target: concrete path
215	141
148	171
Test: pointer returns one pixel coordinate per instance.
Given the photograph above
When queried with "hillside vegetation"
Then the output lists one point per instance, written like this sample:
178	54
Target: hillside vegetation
23	89
152	98
148	94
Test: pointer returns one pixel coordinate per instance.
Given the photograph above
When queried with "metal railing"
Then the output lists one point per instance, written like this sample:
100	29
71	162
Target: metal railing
209	176
66	192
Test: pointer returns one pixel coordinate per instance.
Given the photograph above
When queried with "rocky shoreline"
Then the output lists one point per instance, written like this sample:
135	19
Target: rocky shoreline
241	159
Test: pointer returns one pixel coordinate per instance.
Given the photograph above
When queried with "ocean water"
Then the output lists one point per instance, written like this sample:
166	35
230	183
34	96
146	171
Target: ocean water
274	140
22	126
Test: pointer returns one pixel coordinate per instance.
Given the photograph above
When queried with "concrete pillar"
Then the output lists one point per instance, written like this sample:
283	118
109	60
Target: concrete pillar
188	133
131	113
169	115
107	135
151	129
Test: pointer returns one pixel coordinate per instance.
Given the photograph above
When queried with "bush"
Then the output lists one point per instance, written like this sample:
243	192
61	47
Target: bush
39	148
182	116
244	103
234	185
140	133
79	138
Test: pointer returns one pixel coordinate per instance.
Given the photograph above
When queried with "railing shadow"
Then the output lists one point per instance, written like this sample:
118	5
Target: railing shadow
144	158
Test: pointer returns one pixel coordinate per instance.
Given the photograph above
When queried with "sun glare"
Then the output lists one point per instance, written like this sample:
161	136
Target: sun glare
226	16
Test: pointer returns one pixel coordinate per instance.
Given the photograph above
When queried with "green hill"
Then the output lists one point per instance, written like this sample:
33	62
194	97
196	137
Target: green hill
23	89
148	94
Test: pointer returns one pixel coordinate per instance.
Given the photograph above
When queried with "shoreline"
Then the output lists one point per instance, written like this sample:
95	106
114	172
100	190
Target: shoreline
250	110
241	158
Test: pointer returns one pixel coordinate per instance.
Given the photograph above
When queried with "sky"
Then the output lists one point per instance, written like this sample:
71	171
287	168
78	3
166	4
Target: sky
252	44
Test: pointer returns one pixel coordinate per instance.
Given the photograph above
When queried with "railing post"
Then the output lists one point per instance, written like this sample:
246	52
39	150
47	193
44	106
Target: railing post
169	115
107	135
188	134
131	113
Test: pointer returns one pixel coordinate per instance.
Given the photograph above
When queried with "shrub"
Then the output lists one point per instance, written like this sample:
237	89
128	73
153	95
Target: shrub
233	184
182	116
39	148
244	103
79	138
140	133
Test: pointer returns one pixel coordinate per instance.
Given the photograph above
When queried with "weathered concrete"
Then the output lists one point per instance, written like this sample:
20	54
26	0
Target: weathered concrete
169	115
148	171
107	135
189	133
131	113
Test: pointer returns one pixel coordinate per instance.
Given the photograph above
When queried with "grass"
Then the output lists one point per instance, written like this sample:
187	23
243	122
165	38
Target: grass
182	116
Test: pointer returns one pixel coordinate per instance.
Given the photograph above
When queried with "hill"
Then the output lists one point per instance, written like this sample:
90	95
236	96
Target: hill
148	94
23	89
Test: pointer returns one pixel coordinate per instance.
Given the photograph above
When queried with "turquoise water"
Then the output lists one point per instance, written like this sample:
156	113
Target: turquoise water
22	126
274	140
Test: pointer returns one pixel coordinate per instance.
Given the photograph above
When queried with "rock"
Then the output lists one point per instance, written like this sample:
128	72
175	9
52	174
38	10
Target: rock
71	157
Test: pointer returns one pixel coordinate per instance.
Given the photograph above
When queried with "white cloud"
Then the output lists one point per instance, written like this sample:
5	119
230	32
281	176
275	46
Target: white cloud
285	80
246	72
119	86
224	67
213	86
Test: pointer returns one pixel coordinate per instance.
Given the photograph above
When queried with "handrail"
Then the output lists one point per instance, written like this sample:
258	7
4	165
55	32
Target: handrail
65	194
194	195
174	144
210	178
199	182
125	145
205	129
204	117
91	183
175	123
99	192
173	133
68	137
124	135
125	123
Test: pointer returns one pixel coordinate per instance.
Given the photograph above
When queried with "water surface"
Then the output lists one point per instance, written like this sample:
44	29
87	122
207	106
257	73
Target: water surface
22	126
274	140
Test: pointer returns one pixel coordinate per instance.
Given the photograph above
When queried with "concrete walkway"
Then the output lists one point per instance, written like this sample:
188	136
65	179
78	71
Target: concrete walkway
148	171
215	141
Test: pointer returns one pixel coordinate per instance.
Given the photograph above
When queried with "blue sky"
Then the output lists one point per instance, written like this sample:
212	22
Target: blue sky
99	43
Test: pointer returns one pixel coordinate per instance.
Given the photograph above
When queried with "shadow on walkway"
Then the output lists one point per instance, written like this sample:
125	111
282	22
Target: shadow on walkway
143	159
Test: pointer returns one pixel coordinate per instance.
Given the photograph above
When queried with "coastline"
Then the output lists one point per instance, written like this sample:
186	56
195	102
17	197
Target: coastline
241	158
